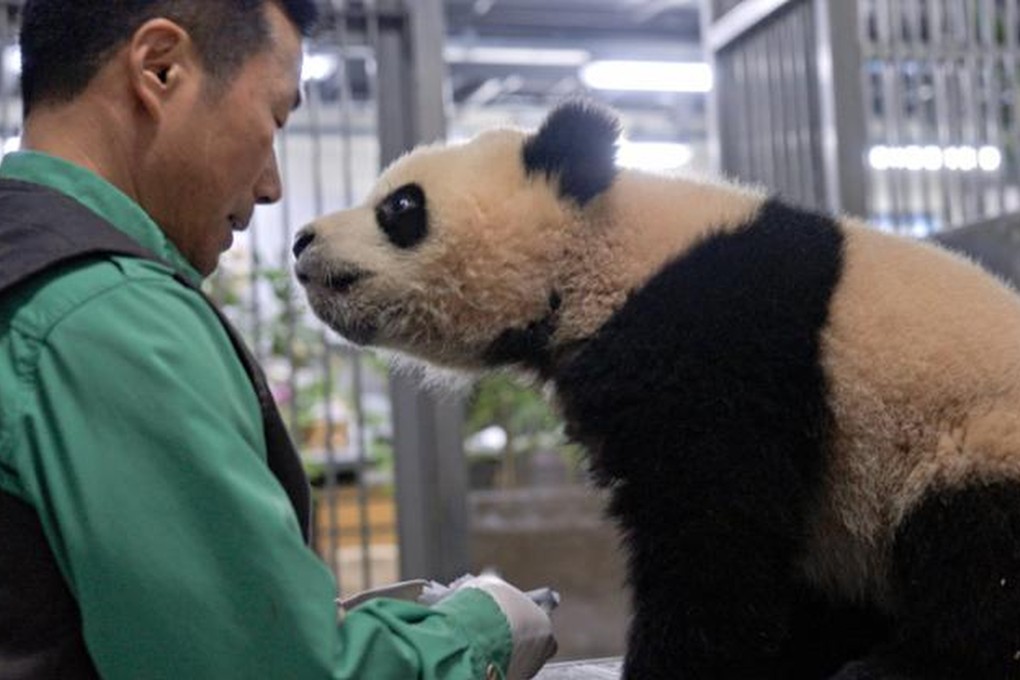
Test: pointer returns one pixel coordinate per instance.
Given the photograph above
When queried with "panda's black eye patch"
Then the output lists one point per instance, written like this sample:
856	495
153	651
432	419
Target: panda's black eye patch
402	216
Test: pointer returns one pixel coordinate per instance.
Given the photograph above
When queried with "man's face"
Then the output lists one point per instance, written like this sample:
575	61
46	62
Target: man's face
215	159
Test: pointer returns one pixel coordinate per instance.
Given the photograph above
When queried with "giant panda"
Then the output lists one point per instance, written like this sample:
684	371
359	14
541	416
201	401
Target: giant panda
810	429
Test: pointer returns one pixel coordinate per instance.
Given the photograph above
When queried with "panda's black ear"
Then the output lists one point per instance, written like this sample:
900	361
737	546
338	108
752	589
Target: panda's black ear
576	145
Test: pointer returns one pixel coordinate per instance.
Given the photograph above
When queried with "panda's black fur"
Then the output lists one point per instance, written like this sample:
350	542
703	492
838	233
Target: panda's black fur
563	151
814	479
729	415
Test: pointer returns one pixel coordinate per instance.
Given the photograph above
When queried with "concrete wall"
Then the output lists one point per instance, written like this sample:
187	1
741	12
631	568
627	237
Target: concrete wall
558	537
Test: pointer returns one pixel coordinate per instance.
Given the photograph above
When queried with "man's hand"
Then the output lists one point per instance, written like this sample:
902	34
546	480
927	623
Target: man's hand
527	614
530	626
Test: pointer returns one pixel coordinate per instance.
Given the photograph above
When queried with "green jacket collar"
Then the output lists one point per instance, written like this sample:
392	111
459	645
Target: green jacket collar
101	197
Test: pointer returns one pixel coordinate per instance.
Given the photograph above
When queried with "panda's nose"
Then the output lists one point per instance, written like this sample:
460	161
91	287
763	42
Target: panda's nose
303	239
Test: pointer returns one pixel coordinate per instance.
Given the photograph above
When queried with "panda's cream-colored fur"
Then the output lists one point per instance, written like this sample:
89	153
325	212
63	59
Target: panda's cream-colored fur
501	242
908	314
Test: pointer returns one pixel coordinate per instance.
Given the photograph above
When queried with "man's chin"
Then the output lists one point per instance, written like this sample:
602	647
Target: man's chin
204	267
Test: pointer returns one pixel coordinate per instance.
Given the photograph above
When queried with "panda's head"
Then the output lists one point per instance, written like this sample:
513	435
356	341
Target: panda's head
462	255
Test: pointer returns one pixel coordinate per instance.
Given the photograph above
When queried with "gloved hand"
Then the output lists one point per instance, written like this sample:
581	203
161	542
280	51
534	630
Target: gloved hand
527	614
530	626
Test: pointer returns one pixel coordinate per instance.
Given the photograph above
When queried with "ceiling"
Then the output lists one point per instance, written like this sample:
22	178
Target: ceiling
541	44
511	60
587	19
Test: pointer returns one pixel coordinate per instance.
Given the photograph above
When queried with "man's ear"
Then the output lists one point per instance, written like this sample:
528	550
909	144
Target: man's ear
160	55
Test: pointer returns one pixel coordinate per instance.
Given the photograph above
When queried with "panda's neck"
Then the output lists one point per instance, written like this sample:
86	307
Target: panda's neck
629	234
531	346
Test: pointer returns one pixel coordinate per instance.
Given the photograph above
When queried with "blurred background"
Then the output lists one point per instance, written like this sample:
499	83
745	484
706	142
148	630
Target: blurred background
901	111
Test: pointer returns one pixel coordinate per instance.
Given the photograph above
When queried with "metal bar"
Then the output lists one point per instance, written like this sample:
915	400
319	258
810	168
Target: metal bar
994	86
255	286
914	77
791	109
361	443
871	98
737	135
892	73
774	106
738	21
801	24
314	109
941	106
5	39
991	193
842	122
970	105
800	107
763	132
933	194
431	476
1011	201
714	105
290	310
935	72
354	358
722	157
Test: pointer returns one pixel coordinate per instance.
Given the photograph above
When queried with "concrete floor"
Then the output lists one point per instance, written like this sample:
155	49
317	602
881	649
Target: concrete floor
601	669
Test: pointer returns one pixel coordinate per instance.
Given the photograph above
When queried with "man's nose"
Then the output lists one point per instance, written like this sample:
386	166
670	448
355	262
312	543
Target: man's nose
269	188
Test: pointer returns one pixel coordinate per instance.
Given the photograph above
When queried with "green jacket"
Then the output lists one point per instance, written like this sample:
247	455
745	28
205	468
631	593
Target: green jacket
128	423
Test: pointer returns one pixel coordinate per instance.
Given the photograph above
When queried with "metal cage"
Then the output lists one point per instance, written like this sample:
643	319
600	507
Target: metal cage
903	111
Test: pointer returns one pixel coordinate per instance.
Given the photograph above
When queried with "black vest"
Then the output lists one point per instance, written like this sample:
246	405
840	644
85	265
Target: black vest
40	626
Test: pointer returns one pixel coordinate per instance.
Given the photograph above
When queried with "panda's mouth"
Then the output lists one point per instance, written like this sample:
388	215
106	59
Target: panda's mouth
337	281
341	282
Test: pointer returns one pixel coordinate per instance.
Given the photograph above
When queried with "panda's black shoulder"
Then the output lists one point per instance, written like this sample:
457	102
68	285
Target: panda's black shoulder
727	335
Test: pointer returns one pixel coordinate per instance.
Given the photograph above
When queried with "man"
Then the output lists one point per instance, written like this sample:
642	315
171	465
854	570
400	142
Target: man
150	513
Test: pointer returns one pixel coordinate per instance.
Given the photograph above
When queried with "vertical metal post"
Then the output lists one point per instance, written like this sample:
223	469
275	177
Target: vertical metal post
431	477
714	106
841	105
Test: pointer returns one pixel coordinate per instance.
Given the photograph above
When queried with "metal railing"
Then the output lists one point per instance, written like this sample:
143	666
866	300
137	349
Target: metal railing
904	111
940	83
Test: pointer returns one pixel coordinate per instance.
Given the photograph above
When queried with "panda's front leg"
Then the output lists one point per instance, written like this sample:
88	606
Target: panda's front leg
711	571
954	575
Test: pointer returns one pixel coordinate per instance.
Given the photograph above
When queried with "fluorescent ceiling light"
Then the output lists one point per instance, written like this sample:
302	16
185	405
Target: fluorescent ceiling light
653	155
648	76
934	158
515	56
12	59
989	158
319	66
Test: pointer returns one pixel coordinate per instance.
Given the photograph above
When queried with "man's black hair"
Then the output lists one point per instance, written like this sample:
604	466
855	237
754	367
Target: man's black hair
64	43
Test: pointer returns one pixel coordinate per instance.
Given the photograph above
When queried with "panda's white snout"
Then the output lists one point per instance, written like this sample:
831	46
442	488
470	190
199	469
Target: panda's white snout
313	271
